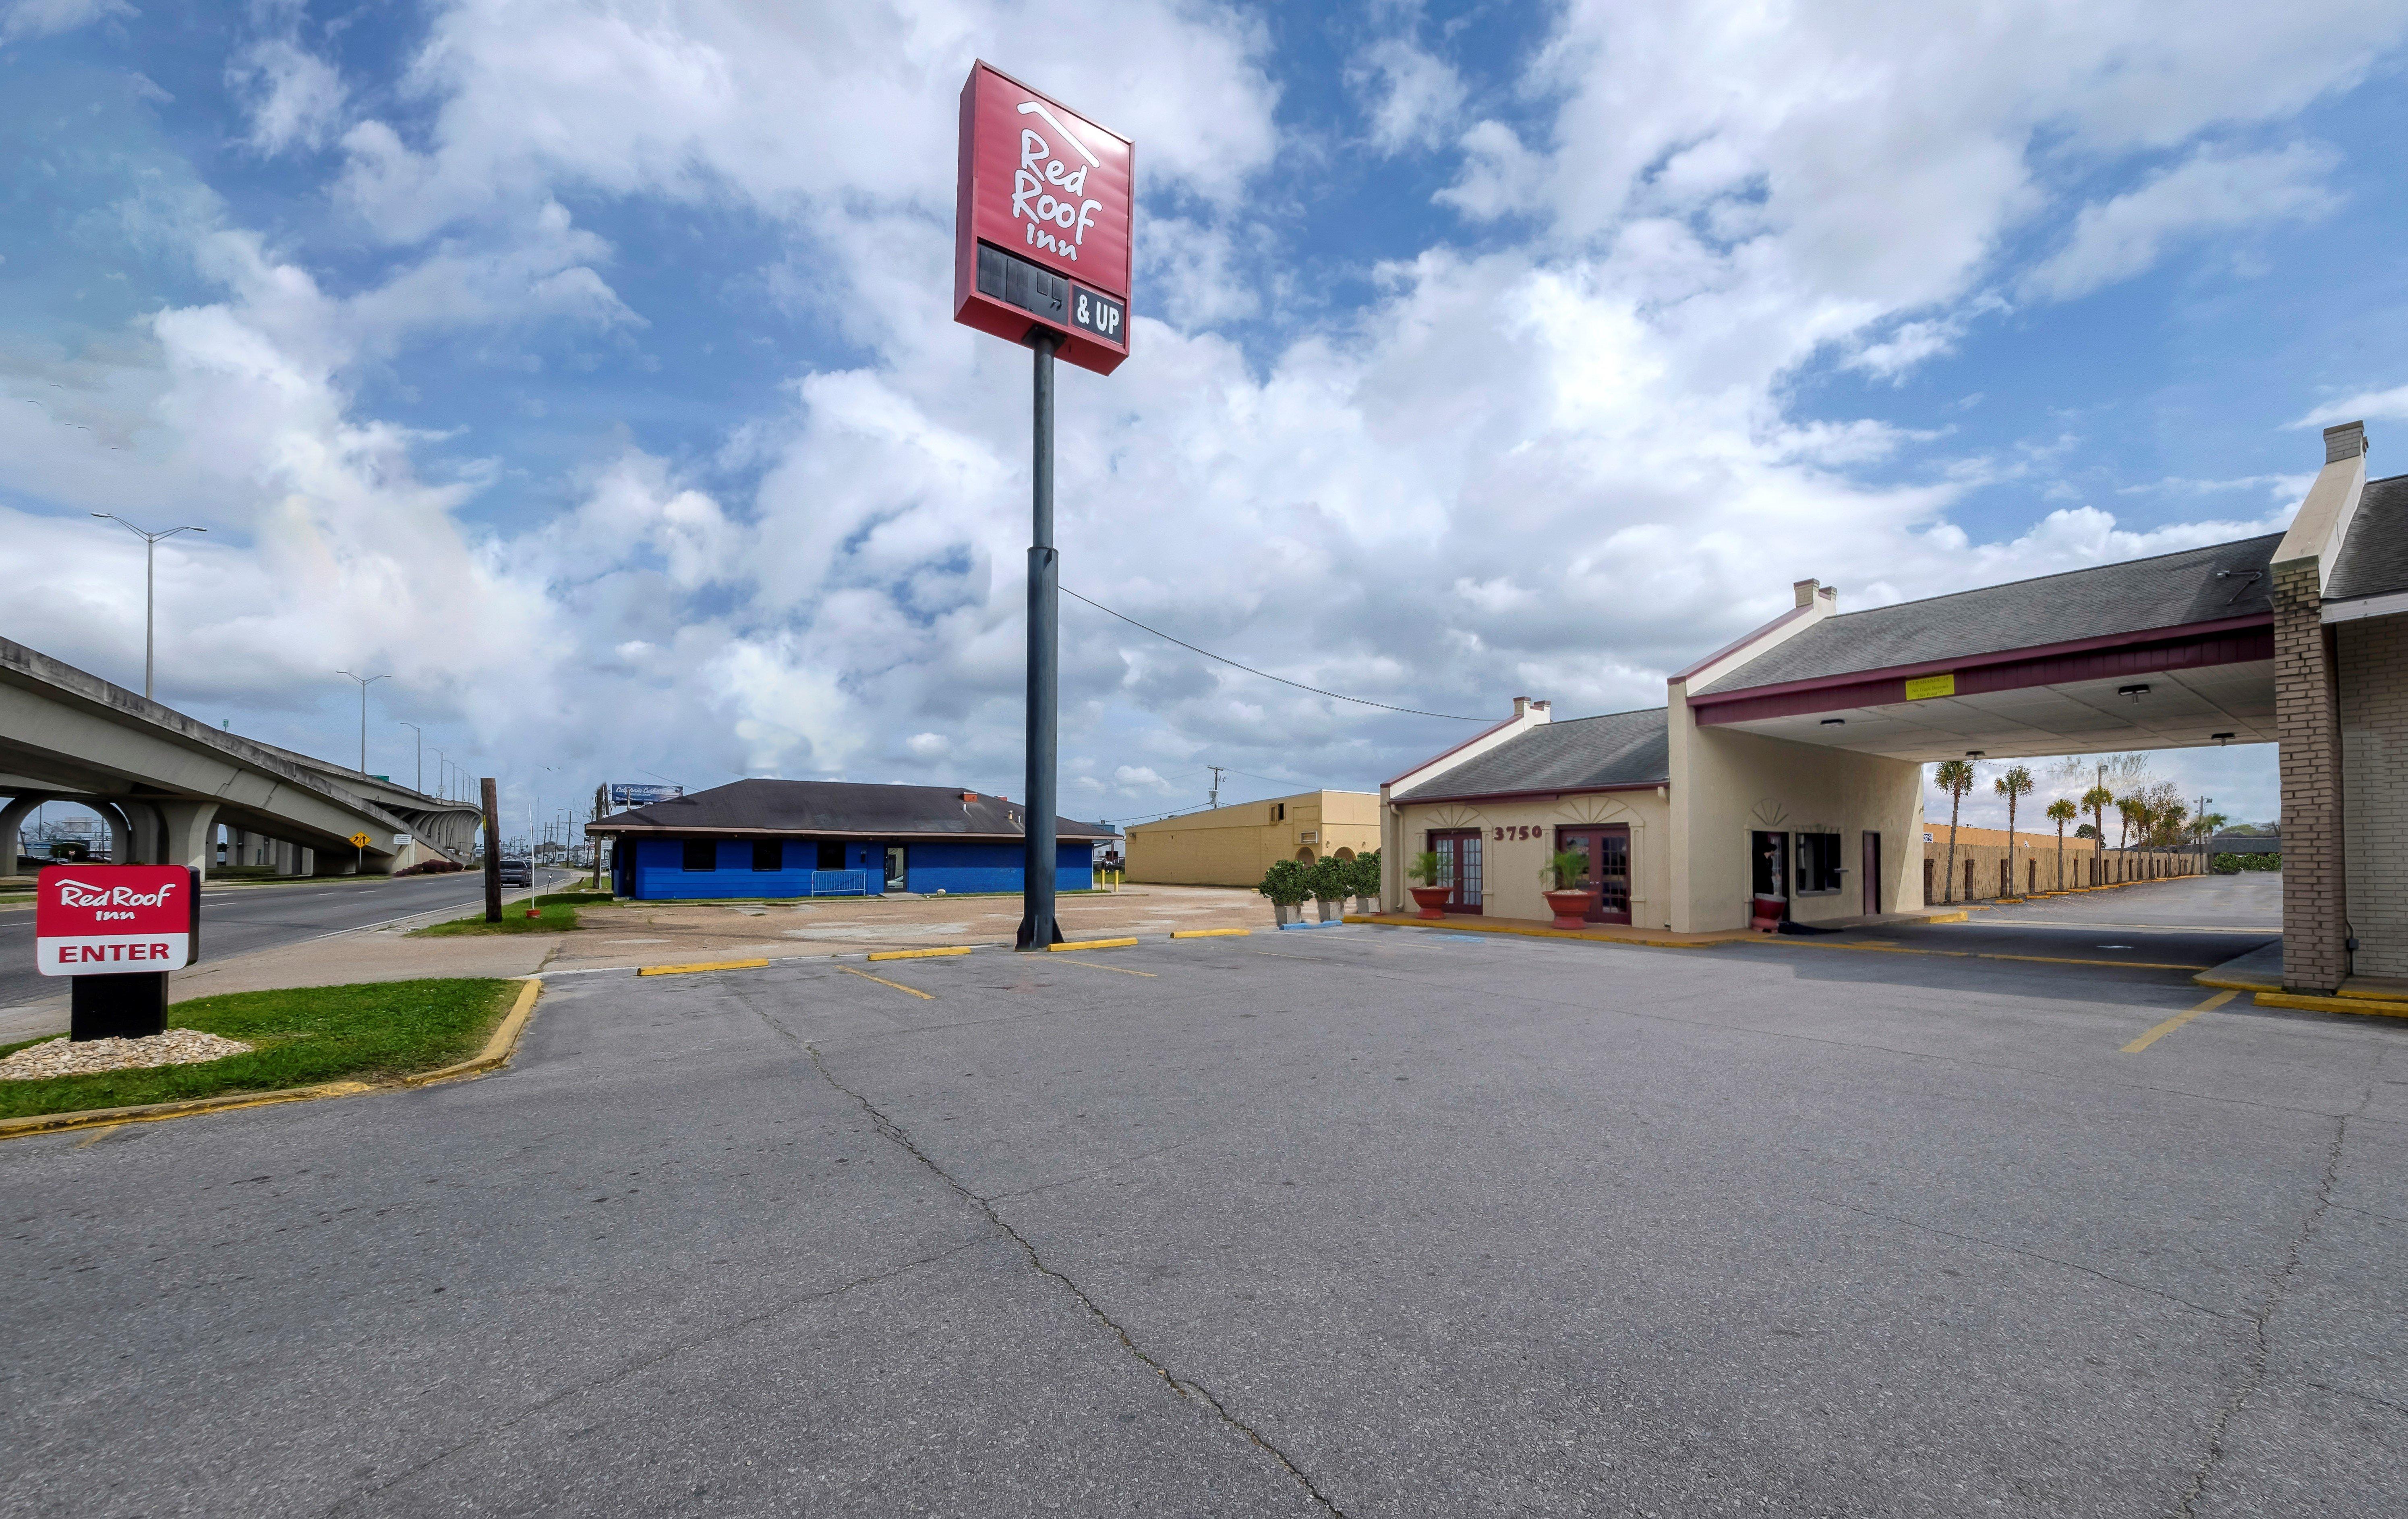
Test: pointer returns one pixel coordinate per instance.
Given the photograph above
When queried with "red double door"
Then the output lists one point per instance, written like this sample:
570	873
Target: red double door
1606	848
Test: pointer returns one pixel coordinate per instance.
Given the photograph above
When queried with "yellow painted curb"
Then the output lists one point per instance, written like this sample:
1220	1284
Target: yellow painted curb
2333	1004
1093	944
2233	983
1210	933
922	954
707	965
497	1051
1466	926
1946	917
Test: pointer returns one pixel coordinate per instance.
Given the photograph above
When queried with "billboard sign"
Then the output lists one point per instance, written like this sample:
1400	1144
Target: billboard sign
116	920
1043	229
618	796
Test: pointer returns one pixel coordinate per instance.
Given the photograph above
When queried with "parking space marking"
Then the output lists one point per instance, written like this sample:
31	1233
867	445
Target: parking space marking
924	996
2175	1021
1118	971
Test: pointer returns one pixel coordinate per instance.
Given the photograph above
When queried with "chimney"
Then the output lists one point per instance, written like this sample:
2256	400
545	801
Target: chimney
1521	707
1831	594
1805	590
2347	441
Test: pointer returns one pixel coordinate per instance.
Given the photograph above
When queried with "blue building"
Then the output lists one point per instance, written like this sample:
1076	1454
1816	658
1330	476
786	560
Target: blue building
831	838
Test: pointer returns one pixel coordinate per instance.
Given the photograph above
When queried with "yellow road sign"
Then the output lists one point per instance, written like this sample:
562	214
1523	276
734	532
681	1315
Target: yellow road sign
359	841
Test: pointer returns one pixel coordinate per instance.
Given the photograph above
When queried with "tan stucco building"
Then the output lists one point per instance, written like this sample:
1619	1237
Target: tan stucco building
1787	769
1233	846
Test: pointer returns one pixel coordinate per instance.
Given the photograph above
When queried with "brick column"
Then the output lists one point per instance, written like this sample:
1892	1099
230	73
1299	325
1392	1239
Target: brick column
2307	722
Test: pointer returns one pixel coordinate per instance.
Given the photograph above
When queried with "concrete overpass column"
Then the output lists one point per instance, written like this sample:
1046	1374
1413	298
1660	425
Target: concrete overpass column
12	823
188	834
142	823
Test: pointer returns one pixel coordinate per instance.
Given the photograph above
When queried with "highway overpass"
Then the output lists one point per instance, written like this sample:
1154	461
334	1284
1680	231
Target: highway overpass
165	783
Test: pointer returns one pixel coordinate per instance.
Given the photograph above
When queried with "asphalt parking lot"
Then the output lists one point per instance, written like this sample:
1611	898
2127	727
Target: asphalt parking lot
1361	1220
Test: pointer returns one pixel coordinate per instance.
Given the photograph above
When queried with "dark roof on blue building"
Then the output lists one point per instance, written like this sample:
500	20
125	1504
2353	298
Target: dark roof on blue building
1584	753
838	809
2374	559
2139	595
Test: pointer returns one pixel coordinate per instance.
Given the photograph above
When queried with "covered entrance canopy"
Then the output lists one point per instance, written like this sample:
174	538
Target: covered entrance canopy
2171	651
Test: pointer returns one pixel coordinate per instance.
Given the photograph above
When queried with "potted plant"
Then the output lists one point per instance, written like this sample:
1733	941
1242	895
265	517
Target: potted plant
1567	898
1330	880
1285	884
1367	881
1429	867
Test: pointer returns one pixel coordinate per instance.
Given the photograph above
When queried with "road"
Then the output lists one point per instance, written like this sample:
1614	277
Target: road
1357	1221
235	920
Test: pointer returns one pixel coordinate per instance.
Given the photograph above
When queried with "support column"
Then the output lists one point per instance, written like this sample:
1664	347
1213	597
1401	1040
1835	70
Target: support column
190	834
12	823
2307	724
142	823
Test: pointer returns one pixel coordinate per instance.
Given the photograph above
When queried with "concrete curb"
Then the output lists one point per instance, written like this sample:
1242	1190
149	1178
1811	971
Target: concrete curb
498	1053
1567	936
2362	1007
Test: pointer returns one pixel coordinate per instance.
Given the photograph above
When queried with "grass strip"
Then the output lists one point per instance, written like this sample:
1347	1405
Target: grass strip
305	1035
555	913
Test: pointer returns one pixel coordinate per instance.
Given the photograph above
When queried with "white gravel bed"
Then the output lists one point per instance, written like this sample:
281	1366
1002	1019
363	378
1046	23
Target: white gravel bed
64	1058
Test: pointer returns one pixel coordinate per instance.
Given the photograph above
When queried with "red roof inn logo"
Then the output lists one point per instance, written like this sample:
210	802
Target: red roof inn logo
1042	230
109	920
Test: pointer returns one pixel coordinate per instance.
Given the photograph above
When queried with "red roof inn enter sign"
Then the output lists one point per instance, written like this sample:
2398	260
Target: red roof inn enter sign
116	920
1042	231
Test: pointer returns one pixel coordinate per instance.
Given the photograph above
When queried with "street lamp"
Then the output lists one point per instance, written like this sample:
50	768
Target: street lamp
365	682
443	775
422	755
150	582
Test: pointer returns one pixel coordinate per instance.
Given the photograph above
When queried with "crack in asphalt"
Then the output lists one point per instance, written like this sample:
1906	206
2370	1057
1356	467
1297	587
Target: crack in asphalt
1185	1388
2261	1344
2018	1250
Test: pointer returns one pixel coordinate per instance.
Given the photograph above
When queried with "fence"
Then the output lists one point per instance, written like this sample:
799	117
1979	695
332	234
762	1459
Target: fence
1982	869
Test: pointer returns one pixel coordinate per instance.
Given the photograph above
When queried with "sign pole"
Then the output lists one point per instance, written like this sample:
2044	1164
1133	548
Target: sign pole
1038	929
493	854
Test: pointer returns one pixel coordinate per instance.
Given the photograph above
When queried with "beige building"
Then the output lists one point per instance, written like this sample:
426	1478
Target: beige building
1233	846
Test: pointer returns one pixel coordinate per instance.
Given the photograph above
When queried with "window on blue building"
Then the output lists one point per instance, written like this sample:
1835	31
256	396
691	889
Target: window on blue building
768	854
831	855
702	854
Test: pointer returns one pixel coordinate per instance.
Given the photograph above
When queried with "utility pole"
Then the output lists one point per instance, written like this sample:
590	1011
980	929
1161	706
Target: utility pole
493	854
422	757
150	584
1216	770
365	682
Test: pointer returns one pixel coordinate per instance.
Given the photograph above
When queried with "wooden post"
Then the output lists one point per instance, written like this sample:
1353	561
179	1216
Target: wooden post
492	855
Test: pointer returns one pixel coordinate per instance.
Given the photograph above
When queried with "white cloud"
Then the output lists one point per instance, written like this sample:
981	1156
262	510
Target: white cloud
2364	406
27	19
2210	191
1412	97
294	96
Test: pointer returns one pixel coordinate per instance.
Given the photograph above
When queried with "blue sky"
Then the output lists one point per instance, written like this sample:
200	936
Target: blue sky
587	366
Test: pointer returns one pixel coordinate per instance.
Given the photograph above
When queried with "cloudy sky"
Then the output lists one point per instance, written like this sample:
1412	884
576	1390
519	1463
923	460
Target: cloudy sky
587	366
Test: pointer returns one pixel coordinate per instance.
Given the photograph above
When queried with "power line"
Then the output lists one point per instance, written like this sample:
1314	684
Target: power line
1409	711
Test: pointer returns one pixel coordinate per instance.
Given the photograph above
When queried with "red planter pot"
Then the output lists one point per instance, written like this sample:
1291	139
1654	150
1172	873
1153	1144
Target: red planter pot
1570	908
1430	899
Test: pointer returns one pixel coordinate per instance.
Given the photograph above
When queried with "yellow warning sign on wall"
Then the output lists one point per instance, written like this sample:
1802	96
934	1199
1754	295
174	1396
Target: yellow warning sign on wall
1925	687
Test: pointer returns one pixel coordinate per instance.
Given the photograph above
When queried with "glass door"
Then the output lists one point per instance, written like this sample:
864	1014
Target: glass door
1607	849
896	872
1458	859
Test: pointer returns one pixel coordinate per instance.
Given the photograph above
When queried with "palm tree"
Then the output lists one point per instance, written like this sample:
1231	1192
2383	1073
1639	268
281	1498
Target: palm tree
2168	824
2061	813
2135	813
2015	784
1956	778
2096	801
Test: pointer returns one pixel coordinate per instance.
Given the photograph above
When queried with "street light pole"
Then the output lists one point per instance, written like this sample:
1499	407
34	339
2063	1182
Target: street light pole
443	775
422	756
150	585
365	682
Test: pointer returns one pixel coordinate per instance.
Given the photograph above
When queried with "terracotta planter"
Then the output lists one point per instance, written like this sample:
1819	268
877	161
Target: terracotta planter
1570	908
1430	899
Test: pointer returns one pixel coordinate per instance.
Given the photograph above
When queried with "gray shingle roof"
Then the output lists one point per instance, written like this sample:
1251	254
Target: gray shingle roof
2374	560
2165	591
840	807
1617	749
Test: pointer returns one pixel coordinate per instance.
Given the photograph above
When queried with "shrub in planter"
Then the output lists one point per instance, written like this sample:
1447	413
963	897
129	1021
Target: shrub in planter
1287	885
1364	876
1429	867
1567	898
1329	879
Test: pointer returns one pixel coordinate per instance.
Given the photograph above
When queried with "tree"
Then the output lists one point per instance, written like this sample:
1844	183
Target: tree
2061	813
2135	812
2166	823
2015	784
2096	801
1956	778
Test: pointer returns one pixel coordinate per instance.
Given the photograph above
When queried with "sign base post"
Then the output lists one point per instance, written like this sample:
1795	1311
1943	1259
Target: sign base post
130	1007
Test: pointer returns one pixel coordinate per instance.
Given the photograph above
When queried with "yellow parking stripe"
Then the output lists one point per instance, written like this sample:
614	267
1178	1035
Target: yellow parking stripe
2175	1021
1118	971
924	996
707	965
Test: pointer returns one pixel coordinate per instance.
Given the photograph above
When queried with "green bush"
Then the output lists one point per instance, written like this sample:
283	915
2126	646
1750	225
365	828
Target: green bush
1287	883
1362	875
1428	868
2232	865
1329	879
1564	873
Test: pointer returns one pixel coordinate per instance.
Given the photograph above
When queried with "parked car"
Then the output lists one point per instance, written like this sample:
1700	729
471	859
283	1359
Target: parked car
517	873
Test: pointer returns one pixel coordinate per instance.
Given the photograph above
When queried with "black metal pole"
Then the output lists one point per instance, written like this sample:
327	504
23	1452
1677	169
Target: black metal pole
493	854
1038	929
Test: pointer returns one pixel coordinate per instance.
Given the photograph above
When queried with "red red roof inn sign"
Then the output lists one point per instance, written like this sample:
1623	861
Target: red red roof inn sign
116	920
1042	230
